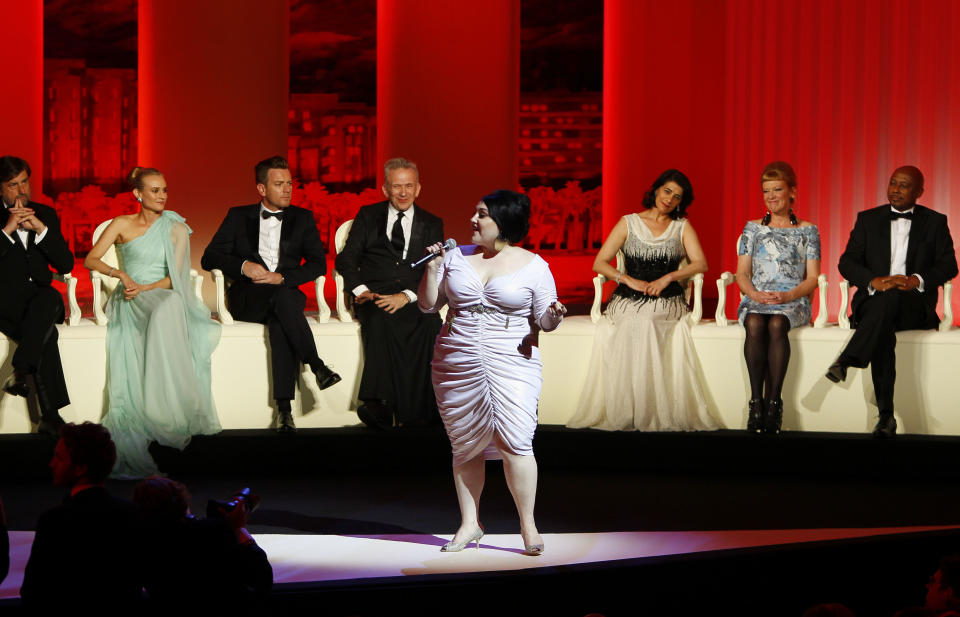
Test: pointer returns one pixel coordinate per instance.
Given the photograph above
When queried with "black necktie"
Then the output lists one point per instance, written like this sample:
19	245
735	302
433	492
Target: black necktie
901	215
265	214
396	234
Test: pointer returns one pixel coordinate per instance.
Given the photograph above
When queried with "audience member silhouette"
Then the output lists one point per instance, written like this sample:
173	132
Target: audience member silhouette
943	592
211	563
86	552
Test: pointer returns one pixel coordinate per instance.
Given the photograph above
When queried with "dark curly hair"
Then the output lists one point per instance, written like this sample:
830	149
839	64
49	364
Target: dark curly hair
671	175
511	212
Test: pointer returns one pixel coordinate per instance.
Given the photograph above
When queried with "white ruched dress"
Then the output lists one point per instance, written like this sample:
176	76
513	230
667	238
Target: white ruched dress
487	373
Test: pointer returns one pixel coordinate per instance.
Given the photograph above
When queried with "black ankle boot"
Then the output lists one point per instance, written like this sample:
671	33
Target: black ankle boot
755	416
774	417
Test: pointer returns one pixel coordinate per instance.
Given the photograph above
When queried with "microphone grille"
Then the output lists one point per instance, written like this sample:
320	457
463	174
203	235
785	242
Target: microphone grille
450	244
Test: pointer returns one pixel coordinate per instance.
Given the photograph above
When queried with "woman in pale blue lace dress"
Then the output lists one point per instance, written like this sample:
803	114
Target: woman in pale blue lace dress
777	270
159	336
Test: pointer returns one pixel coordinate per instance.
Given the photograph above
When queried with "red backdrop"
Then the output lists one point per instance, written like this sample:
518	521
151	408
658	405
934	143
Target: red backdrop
21	106
448	97
845	91
213	91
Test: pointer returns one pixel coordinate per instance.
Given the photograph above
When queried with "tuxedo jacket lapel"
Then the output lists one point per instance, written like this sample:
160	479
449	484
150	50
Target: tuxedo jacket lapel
416	246
287	227
882	231
917	227
380	229
253	233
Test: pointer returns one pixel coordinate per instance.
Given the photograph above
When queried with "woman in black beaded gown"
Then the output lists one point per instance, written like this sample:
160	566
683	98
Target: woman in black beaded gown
643	373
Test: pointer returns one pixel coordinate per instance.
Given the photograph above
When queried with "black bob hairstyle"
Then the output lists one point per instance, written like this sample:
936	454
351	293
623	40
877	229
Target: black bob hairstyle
671	175
511	212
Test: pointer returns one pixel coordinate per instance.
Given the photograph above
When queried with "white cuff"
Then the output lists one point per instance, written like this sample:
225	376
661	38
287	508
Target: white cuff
411	295
359	289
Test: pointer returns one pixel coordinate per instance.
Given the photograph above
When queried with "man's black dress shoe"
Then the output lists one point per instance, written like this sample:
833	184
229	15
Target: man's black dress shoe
285	422
16	384
50	425
325	377
886	426
837	372
376	414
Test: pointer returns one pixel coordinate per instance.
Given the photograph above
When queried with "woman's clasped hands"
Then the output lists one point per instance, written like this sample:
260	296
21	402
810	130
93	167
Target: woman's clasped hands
651	288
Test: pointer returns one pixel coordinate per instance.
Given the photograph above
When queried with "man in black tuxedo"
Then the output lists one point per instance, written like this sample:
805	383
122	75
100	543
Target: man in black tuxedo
398	338
86	551
897	256
30	308
268	250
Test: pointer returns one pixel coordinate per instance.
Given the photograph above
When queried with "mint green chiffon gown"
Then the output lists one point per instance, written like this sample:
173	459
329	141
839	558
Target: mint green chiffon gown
158	351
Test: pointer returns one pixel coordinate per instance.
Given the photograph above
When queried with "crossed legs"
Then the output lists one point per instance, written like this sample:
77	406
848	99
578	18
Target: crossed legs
874	340
291	340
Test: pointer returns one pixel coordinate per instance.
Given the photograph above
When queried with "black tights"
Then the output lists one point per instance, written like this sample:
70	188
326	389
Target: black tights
767	351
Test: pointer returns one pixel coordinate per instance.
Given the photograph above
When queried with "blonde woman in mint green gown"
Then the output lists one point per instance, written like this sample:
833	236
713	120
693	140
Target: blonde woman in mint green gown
159	336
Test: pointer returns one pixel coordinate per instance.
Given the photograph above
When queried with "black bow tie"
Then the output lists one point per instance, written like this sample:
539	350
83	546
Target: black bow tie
901	215
266	214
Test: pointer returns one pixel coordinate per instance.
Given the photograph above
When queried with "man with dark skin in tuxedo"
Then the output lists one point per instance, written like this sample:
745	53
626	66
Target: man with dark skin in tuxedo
898	255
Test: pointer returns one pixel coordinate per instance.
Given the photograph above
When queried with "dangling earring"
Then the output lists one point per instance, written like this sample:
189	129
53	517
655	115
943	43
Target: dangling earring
793	218
139	199
766	219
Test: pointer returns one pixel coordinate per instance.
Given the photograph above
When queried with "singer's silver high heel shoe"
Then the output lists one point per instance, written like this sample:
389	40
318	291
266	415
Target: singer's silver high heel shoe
456	547
533	550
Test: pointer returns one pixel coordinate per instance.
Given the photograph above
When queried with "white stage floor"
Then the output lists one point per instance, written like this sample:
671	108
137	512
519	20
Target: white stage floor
311	558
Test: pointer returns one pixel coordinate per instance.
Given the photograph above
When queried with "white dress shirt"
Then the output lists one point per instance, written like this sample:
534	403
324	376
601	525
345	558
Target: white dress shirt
269	243
406	223
899	241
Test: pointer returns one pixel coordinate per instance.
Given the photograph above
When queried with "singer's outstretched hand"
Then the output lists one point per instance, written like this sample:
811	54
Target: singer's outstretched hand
552	317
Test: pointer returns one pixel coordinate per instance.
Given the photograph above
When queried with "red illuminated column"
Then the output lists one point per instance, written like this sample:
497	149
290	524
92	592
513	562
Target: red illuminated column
663	106
448	97
21	105
213	89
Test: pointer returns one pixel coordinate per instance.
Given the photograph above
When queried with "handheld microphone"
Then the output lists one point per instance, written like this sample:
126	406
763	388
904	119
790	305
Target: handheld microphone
449	245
